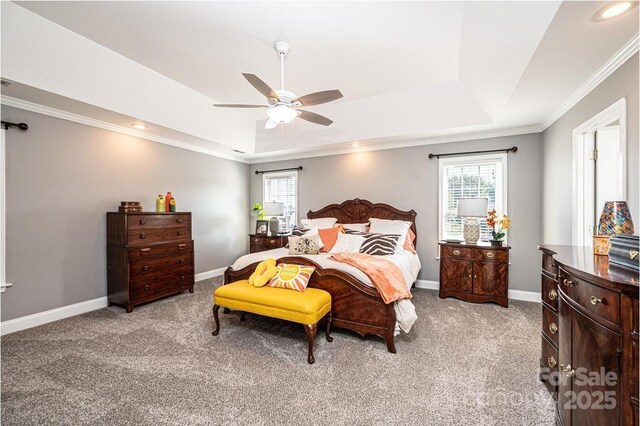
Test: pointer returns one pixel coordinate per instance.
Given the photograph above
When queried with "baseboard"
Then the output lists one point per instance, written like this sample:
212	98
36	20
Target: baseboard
45	317
210	274
527	296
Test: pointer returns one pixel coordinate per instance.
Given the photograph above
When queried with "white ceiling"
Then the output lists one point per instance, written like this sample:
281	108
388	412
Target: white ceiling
408	70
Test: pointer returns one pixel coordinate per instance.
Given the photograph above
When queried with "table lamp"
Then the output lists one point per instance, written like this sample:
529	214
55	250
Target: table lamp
274	210
472	209
615	219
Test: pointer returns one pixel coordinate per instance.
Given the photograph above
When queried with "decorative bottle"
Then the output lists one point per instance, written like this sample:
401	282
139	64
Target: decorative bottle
167	201
172	205
160	204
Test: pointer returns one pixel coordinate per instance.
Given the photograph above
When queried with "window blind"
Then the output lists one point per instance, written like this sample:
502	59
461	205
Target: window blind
469	180
282	188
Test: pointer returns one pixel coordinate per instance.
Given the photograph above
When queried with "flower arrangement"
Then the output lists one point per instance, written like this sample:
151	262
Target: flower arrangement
499	226
257	210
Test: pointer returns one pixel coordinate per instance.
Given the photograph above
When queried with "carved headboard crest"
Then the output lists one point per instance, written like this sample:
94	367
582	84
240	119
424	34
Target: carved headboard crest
359	211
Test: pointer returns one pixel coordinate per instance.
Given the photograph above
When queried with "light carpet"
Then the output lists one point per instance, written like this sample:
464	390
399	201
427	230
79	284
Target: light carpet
462	363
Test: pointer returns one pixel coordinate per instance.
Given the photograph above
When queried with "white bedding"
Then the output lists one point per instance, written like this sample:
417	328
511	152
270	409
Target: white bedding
409	264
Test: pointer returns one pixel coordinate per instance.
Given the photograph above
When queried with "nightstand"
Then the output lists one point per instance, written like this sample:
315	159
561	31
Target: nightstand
266	242
475	272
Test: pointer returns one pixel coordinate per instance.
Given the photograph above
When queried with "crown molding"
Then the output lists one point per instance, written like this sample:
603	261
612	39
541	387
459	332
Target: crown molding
76	118
622	56
459	137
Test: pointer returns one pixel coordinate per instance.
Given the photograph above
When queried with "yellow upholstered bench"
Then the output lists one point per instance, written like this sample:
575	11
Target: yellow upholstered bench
306	307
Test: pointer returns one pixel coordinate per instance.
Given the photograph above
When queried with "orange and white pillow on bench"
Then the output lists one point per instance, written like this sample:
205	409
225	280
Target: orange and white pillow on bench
293	277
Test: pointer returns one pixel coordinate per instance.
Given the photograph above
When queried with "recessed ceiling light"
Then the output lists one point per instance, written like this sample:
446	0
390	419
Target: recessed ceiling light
140	126
614	9
355	144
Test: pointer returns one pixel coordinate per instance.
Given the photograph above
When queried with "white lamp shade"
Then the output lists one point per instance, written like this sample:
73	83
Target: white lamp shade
273	209
473	207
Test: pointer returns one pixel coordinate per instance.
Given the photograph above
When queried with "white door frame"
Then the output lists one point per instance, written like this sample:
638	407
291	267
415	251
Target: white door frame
3	229
617	111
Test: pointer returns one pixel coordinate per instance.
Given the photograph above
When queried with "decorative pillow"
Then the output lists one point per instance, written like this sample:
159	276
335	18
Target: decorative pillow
352	232
380	244
347	243
298	231
264	272
361	227
329	236
304	245
408	242
323	222
314	231
294	277
395	227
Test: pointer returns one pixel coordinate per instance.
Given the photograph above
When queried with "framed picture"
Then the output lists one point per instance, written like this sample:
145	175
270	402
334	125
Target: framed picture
262	227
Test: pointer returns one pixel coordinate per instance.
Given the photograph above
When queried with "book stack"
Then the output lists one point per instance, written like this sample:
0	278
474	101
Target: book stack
625	251
130	207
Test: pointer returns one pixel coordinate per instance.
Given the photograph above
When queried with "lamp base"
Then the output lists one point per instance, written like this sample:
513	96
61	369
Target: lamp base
274	225
471	231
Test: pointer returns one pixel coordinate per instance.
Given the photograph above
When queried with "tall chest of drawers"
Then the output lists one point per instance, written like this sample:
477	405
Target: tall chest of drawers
149	256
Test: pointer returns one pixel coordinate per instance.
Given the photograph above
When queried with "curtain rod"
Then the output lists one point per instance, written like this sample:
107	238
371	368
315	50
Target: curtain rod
21	126
259	172
507	150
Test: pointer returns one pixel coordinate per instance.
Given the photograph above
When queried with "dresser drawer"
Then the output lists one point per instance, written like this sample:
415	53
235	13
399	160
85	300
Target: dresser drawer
550	324
459	252
161	284
274	242
549	365
488	254
601	302
143	266
549	265
157	235
158	221
161	250
550	292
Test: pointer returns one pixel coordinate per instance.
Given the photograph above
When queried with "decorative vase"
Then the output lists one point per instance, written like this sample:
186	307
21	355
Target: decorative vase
471	231
497	243
167	201
160	204
274	225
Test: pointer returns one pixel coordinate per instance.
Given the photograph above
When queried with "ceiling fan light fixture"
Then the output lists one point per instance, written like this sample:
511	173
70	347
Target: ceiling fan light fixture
282	114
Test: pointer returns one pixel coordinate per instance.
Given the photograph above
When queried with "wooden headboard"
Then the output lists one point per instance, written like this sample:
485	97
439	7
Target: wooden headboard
359	211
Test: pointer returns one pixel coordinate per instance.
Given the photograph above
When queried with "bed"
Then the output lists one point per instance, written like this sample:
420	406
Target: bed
356	304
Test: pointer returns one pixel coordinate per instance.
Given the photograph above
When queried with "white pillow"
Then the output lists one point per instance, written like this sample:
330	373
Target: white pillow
347	243
397	227
360	227
323	222
314	231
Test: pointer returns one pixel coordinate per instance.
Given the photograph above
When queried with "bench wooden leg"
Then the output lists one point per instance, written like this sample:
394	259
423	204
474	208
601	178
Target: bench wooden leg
311	336
215	317
242	318
328	330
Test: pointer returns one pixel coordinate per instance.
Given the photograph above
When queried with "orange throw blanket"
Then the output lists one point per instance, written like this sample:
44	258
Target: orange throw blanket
385	275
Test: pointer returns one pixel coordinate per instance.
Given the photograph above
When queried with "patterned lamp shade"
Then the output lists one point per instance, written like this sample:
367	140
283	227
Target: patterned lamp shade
615	219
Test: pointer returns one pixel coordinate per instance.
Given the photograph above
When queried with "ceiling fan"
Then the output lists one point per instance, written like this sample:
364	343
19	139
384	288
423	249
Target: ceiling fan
283	104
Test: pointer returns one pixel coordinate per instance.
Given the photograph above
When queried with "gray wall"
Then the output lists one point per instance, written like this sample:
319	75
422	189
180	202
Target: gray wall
558	146
407	179
63	177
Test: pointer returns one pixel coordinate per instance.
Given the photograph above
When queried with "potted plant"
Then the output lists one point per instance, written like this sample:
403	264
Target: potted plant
499	227
257	210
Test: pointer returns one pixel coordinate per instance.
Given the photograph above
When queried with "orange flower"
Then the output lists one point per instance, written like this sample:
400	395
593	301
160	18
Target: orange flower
492	213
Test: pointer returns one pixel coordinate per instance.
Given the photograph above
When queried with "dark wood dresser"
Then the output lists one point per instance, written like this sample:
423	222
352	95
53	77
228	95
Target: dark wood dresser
589	337
475	273
149	256
266	242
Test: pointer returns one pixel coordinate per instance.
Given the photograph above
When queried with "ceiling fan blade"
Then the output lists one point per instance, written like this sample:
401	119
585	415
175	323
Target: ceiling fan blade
261	86
239	106
270	124
315	118
319	97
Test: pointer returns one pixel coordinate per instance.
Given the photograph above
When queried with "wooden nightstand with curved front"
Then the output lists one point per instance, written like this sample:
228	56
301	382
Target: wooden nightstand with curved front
474	272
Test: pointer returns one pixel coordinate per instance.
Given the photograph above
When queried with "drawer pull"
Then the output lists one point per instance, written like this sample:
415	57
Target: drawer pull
256	241
147	287
178	220
145	251
142	236
490	254
553	294
181	261
181	277
594	300
178	233
551	361
553	328
456	252
633	254
182	246
568	371
145	268
142	222
272	241
569	283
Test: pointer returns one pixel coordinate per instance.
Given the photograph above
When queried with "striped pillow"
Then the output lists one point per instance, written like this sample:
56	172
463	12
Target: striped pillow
298	231
377	244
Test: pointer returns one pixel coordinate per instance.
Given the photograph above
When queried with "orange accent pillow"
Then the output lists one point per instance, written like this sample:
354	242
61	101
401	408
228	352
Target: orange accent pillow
293	277
329	236
408	242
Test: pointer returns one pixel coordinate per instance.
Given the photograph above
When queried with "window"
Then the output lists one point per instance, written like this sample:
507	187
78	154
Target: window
463	177
283	188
